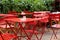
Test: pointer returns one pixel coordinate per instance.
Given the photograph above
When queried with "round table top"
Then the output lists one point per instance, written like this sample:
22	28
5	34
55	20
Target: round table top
25	19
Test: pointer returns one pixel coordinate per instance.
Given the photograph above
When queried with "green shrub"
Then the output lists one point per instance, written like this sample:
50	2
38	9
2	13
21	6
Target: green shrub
30	5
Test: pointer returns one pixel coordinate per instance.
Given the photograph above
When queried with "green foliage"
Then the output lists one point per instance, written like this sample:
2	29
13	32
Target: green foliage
48	4
30	5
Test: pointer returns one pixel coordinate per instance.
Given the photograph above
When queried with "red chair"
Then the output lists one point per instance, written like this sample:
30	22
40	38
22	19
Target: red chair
4	25
30	26
44	22
44	19
6	16
56	19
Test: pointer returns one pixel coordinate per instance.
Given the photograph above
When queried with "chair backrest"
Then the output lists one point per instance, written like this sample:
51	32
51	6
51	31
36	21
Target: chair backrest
43	15
55	17
39	14
13	12
2	21
10	16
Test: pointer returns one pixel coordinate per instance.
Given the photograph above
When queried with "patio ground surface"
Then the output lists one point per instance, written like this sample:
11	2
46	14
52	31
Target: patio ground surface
47	36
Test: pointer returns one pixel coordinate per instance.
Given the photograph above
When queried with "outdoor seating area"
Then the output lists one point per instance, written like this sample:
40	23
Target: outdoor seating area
25	28
29	20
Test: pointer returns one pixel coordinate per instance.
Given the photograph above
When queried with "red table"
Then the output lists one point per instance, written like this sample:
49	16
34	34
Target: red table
24	20
21	20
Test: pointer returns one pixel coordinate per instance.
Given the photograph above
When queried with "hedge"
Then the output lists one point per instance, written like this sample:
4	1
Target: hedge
21	5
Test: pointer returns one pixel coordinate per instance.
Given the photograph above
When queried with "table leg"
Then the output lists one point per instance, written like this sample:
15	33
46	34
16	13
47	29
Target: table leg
24	31
43	31
34	33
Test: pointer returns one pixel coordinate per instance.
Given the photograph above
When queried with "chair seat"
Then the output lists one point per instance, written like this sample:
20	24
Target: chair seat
32	23
31	31
56	19
4	26
7	36
56	25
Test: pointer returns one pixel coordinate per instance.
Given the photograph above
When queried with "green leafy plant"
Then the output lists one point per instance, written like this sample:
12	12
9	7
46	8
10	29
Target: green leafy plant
29	5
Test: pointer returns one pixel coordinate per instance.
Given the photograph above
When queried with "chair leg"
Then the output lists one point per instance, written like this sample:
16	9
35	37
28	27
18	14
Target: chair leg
24	31
1	36
51	36
41	36
54	33
42	33
34	33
